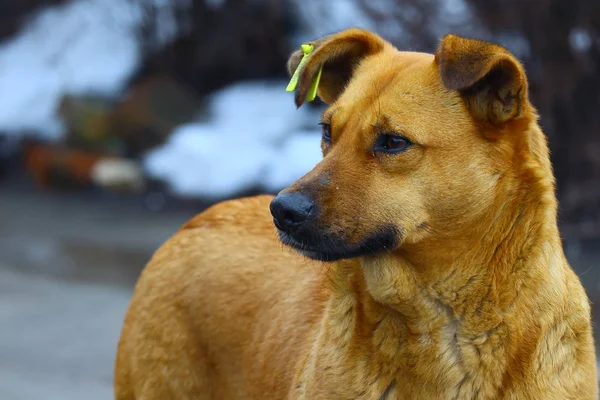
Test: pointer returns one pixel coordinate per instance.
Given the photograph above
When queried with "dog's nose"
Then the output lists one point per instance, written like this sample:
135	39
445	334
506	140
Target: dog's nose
290	210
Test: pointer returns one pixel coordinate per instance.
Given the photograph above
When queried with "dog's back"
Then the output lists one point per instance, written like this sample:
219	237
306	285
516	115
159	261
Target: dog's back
221	311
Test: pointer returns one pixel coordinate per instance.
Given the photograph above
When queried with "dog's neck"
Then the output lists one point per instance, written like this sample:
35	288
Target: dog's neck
473	276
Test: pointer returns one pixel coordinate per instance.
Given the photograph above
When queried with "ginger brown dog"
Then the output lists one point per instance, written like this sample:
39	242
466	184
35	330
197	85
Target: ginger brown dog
431	266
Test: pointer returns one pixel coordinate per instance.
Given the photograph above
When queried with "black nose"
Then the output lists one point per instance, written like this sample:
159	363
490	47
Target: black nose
290	210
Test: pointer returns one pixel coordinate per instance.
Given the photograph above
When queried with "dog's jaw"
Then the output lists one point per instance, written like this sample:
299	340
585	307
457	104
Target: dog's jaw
329	249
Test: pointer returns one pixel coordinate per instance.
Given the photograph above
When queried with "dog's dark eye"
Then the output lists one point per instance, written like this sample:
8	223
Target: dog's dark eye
326	128
390	143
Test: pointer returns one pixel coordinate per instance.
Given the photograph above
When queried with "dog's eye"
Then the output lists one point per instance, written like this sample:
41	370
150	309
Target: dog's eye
326	128
390	143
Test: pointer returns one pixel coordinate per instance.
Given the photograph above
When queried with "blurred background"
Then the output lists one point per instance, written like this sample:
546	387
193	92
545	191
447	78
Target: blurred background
120	119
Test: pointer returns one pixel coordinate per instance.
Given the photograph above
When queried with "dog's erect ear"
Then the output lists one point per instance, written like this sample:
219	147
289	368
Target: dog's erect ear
489	78
338	54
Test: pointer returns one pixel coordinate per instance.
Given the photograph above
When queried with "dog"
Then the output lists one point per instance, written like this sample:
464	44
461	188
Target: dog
430	264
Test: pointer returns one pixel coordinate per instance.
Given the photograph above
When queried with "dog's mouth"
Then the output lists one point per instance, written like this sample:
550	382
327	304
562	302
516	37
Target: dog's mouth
328	249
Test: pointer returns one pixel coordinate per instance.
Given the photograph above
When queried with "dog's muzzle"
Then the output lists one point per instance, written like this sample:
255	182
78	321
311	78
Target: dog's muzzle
296	216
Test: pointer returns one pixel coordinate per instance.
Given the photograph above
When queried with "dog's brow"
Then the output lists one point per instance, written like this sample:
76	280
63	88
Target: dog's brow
328	114
381	124
384	124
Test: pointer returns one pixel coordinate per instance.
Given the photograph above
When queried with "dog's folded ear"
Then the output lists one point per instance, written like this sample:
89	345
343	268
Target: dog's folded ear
338	55
490	79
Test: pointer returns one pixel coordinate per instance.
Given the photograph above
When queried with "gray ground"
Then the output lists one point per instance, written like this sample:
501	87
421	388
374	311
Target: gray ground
67	269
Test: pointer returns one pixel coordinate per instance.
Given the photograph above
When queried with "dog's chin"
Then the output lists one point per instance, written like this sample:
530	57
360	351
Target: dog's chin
331	249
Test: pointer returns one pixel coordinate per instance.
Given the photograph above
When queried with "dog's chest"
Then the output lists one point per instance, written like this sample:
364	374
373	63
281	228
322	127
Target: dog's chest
396	361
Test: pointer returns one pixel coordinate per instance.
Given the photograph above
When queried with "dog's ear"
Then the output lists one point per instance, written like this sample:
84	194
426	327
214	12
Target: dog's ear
338	55
489	78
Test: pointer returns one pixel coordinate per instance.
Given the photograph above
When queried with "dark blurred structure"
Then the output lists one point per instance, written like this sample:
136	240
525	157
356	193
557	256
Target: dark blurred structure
220	44
14	13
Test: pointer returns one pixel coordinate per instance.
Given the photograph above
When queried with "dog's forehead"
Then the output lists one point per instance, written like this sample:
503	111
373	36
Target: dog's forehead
389	73
393	66
404	89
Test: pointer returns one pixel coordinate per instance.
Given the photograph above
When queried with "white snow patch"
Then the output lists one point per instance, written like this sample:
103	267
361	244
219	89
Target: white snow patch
516	43
215	4
298	154
205	160
86	46
118	174
255	139
318	18
455	7
580	40
257	109
453	13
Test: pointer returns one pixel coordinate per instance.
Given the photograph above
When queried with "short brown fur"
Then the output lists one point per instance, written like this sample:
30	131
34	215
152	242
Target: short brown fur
476	300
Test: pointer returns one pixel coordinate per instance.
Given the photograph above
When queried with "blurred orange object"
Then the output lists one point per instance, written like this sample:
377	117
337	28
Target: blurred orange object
59	167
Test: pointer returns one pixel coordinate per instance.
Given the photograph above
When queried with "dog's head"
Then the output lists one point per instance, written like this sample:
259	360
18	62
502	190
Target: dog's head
414	144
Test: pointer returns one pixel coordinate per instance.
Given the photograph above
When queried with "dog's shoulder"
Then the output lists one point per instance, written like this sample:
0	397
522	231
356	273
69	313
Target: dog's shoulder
245	212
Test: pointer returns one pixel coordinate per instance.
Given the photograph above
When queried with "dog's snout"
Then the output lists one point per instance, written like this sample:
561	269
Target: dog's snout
290	210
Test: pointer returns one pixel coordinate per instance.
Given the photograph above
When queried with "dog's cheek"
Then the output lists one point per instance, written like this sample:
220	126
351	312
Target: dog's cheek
400	206
458	191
